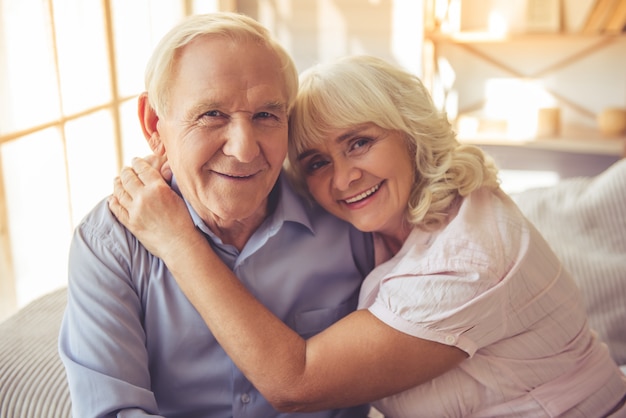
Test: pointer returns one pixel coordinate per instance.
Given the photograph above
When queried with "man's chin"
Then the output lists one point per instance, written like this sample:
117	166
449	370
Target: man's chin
241	210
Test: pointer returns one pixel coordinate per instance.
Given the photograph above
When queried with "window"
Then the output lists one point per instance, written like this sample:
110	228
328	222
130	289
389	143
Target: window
70	72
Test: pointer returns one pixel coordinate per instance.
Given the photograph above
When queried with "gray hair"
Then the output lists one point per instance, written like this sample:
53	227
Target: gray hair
233	26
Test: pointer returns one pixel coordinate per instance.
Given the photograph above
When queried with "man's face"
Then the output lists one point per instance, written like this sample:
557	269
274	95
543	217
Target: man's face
225	132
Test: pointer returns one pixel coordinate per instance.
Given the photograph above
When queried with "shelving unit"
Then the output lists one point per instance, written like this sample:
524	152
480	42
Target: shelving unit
475	43
586	145
469	40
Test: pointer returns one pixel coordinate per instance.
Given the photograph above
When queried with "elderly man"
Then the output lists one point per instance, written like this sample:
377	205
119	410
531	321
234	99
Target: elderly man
219	92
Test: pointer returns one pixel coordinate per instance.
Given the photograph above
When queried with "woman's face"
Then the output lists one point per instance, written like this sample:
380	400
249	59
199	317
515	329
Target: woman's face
362	175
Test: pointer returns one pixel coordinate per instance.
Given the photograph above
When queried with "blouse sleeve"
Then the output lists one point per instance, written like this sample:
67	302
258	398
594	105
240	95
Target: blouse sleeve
453	294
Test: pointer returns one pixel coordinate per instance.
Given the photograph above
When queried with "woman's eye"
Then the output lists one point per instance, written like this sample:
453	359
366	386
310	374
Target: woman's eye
314	165
359	143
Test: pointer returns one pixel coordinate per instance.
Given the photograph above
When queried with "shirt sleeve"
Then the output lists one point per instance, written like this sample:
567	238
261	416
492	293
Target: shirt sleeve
102	340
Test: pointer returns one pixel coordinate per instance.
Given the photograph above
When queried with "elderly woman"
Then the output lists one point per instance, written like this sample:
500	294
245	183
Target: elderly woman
467	313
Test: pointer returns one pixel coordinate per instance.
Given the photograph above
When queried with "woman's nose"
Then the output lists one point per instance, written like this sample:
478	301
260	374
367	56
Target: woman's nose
344	173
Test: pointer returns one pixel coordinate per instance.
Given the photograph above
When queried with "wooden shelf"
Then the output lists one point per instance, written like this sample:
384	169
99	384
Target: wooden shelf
477	43
589	145
488	37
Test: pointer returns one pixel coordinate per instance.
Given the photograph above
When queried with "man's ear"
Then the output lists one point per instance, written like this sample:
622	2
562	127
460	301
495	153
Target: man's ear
149	120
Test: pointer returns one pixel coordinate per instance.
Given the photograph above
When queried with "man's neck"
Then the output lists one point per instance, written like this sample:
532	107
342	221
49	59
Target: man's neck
238	232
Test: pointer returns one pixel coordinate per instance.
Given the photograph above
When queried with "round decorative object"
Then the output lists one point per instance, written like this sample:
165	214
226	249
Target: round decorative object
612	121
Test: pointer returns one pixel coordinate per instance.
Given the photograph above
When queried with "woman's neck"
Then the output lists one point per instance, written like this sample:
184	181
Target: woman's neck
394	242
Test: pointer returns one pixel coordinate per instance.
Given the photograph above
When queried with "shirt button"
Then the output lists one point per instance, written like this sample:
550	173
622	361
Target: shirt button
245	398
450	339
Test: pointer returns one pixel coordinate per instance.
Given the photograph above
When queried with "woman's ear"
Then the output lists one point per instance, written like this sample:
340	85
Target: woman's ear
149	120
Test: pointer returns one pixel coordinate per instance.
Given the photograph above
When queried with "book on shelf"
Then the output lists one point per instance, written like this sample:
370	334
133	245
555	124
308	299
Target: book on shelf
575	14
543	16
617	21
599	16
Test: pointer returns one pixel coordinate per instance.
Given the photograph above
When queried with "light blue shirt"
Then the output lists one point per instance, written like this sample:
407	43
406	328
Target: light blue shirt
134	346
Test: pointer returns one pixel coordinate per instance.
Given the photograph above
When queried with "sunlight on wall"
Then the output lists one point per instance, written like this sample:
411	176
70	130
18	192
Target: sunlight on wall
332	34
406	34
512	111
516	101
497	25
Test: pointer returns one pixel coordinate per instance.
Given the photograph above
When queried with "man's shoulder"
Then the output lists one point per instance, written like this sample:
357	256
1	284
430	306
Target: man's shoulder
100	243
99	225
100	218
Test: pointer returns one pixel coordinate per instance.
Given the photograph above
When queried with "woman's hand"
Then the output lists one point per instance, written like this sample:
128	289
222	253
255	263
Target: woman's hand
144	203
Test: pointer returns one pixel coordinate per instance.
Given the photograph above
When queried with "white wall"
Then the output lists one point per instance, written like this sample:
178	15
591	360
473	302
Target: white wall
319	30
588	75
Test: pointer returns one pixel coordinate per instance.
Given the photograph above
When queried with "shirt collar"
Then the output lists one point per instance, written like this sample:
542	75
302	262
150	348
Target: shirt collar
291	207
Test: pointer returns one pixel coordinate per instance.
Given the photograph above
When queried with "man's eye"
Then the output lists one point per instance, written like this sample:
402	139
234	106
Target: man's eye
264	115
213	113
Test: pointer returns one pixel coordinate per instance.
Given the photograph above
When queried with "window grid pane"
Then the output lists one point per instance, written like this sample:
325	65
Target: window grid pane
39	224
59	131
84	70
29	86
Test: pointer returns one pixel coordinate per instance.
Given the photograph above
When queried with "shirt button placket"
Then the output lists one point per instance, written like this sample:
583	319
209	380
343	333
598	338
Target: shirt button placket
245	398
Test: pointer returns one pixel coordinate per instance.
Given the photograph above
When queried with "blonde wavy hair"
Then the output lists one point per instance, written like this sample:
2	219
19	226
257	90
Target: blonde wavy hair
362	89
235	27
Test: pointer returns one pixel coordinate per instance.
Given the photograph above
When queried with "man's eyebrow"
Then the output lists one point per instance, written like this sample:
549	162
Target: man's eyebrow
275	105
201	108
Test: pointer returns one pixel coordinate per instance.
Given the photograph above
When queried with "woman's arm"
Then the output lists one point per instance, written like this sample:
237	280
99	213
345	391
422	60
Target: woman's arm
357	360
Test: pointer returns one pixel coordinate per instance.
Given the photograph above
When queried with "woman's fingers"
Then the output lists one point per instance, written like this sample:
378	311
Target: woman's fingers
156	161
160	164
115	201
130	181
126	197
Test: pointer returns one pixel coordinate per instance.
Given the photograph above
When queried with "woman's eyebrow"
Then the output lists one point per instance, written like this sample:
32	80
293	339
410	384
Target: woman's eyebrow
341	138
305	154
351	134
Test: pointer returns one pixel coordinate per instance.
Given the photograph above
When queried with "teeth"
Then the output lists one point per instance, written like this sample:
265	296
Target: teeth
363	195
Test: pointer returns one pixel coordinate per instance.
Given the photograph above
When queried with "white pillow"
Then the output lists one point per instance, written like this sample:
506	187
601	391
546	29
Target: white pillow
584	220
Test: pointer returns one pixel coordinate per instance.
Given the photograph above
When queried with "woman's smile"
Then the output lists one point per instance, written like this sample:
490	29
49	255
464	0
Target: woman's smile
363	195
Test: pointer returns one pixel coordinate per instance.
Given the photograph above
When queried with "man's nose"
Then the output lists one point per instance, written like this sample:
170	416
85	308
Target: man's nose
241	142
344	173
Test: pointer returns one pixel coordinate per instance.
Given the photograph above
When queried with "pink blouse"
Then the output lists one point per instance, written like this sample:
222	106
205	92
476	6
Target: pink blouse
489	284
